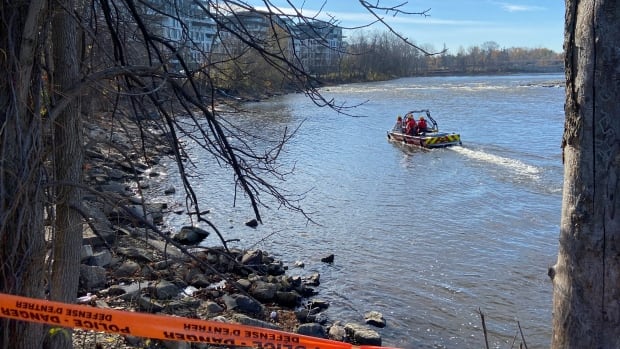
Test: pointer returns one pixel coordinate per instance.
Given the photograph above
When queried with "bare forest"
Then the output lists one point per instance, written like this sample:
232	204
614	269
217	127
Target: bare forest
380	56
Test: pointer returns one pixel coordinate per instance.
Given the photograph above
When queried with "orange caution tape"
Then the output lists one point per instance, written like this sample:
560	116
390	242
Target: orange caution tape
158	326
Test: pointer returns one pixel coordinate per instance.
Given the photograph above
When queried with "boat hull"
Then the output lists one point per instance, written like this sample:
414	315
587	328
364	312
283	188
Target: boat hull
427	140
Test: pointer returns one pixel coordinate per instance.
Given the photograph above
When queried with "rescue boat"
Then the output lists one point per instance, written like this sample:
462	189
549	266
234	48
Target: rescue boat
429	138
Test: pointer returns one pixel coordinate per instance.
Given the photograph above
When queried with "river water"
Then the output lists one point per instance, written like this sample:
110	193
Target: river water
428	238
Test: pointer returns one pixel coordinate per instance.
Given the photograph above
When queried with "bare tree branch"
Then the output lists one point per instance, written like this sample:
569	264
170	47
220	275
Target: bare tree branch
394	11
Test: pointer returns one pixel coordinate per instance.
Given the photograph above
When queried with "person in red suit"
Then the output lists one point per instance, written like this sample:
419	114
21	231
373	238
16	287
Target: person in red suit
422	125
410	126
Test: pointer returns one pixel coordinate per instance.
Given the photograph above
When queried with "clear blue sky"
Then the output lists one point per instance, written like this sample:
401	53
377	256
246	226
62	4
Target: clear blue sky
457	23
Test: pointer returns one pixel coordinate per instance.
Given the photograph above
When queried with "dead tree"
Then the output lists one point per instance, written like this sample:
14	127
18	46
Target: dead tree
586	276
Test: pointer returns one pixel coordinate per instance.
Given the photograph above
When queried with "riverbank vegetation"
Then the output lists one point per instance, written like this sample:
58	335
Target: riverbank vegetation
381	56
378	56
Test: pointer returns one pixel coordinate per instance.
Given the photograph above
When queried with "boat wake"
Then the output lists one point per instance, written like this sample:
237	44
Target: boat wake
517	167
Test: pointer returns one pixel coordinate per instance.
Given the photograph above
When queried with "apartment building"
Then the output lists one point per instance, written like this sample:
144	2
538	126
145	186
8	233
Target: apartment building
315	45
321	46
185	25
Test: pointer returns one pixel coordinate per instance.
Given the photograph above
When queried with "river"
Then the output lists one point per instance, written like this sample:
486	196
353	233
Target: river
425	237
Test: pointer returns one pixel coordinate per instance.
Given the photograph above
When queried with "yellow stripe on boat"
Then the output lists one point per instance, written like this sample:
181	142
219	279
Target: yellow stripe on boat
443	139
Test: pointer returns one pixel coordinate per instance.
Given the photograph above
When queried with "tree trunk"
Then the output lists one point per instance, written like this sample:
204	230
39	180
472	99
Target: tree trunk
68	160
586	278
22	240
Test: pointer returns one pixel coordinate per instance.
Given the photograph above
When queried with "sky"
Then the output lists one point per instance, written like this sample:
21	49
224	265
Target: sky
455	23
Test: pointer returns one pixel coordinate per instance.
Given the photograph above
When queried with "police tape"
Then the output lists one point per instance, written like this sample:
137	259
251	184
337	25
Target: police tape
163	327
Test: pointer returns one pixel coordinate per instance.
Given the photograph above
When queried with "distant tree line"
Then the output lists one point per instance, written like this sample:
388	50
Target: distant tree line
381	56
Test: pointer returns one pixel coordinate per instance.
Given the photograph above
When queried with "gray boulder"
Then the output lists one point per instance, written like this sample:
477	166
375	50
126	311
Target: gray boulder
100	259
92	277
248	321
264	291
189	235
288	298
253	257
337	332
212	307
375	318
99	230
149	305
137	254
86	252
362	335
128	292
166	290
313	280
242	304
127	269
312	329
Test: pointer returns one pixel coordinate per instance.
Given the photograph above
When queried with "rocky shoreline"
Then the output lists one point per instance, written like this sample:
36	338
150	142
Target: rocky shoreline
129	264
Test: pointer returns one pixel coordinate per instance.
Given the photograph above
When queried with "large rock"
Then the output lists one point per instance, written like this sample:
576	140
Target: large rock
116	188
185	307
318	304
99	230
128	292
362	335
328	259
212	307
244	283
375	318
337	332
189	235
264	291
252	223
313	280
92	277
149	305
288	298
276	268
135	253
100	259
199	280
248	321
166	290
252	258
156	211
242	304
131	214
86	253
127	269
306	315
312	329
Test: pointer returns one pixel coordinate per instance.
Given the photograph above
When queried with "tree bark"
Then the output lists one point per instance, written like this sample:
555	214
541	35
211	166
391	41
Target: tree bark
68	161
22	240
586	278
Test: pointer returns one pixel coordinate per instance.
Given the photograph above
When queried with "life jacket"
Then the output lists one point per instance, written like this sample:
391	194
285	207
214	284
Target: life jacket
410	126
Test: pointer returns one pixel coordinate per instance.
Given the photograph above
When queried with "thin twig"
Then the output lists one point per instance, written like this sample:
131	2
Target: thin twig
484	329
522	336
514	340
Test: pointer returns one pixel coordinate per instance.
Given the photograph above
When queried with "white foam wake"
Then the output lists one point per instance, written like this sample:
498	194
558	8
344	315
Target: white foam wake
515	165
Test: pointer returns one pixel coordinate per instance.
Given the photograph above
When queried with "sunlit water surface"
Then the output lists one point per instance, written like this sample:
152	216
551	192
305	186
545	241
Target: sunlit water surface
425	237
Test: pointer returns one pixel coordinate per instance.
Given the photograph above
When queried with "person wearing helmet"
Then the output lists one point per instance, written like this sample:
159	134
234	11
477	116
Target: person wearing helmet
422	126
410	126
